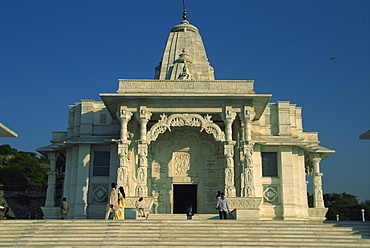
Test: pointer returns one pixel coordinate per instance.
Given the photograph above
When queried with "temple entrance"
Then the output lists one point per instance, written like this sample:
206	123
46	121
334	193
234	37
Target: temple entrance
183	196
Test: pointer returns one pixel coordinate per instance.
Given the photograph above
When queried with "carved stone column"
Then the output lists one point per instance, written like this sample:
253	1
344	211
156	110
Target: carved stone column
142	171
229	170
50	193
143	117
318	197
228	117
247	117
123	170
247	177
124	116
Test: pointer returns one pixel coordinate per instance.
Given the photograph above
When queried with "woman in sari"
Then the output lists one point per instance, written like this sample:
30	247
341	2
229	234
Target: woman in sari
121	204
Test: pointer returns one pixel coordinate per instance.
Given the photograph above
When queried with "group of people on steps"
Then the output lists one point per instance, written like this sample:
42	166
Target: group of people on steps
117	203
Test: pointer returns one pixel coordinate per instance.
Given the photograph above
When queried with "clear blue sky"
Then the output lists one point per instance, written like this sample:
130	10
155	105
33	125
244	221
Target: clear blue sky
55	53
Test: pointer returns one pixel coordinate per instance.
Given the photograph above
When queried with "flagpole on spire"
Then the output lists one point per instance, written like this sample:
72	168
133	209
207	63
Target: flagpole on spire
184	16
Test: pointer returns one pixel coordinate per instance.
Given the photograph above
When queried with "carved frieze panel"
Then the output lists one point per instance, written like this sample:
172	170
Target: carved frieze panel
216	86
180	120
244	202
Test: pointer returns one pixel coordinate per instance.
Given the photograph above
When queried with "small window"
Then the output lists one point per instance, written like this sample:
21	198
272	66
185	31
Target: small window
269	164
101	163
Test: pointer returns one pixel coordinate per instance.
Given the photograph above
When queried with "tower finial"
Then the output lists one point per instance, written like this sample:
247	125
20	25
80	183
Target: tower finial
184	16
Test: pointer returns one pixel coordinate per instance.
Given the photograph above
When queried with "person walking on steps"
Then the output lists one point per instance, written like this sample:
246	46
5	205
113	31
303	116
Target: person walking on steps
113	202
121	204
64	208
222	206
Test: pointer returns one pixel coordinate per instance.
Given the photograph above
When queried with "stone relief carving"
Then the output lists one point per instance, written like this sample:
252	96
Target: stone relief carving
229	177
248	175
156	167
155	202
181	163
122	175
141	174
139	191
143	162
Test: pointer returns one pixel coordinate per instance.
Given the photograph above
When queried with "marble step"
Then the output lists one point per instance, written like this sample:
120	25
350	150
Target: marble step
181	233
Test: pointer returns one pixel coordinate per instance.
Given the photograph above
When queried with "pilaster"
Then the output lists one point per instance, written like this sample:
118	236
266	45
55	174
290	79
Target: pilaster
82	187
67	175
287	183
73	184
284	118
50	193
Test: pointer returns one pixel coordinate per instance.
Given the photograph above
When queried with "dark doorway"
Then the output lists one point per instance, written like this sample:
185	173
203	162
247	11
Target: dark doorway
183	196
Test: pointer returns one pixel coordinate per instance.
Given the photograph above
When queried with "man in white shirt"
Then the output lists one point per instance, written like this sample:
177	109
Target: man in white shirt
222	206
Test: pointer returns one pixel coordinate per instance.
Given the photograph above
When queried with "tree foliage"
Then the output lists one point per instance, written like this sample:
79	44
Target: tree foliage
20	169
346	206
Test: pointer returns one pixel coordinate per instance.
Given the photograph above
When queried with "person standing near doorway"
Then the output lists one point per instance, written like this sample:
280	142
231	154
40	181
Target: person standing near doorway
189	212
222	206
64	208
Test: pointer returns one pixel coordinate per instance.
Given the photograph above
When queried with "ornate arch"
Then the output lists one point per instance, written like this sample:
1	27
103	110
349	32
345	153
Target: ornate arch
181	120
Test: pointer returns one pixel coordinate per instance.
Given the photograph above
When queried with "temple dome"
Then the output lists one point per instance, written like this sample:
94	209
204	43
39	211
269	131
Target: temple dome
184	47
184	26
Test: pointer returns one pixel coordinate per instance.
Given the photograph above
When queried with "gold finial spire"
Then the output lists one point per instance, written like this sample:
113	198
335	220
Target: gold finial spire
184	16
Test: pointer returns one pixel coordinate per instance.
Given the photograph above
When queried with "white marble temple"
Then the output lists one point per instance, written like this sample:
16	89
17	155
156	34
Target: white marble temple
183	136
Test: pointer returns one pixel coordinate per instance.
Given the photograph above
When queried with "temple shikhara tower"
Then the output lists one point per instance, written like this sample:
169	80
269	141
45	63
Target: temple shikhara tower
181	137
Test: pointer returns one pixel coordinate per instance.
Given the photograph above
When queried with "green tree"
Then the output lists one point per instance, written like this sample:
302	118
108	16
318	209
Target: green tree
345	205
19	168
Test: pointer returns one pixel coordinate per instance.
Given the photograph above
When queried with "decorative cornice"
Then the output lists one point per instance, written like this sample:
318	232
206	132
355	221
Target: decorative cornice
193	86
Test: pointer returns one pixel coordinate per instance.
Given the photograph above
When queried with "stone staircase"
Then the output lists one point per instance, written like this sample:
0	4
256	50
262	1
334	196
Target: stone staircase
176	231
